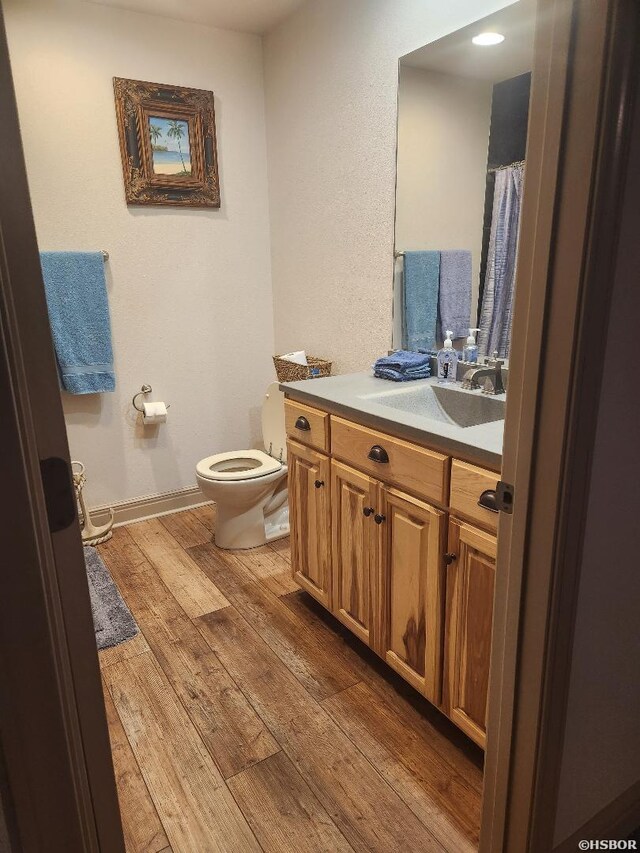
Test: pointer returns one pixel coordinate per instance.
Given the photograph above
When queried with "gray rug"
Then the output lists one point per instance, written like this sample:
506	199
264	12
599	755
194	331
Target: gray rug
112	618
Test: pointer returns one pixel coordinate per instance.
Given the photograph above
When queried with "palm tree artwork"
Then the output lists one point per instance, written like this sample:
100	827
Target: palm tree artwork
176	131
155	132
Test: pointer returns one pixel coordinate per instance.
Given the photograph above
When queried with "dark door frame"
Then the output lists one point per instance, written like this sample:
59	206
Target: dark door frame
60	790
585	81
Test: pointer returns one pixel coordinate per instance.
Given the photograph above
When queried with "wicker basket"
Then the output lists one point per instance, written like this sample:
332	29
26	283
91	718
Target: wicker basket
287	371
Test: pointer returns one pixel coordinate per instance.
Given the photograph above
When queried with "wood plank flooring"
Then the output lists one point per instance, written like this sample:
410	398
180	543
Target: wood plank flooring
244	717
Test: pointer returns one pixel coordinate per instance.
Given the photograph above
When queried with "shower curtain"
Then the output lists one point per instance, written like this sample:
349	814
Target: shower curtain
497	299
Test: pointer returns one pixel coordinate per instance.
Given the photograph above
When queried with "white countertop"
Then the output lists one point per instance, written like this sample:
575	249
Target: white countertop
351	395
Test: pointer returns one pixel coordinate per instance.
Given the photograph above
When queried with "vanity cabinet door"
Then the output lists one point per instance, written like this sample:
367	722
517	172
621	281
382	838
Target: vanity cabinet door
309	484
354	507
411	585
469	615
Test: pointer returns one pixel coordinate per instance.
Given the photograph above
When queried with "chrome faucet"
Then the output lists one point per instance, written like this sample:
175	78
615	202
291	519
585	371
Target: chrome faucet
492	371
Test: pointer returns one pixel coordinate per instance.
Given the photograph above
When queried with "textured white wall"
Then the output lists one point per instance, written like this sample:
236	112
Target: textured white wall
190	290
443	141
331	73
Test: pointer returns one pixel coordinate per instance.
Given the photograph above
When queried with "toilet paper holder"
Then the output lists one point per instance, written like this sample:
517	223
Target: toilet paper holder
146	389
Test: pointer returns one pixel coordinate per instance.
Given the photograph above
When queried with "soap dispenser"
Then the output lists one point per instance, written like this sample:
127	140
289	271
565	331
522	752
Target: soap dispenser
470	351
447	361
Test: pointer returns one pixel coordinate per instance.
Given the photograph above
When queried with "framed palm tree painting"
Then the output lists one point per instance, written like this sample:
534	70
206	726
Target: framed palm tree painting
167	143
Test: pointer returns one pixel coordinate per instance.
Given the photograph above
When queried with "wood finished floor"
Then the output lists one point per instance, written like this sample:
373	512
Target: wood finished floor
244	717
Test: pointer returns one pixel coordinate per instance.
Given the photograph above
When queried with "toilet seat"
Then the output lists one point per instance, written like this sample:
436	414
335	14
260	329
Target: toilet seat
237	465
249	487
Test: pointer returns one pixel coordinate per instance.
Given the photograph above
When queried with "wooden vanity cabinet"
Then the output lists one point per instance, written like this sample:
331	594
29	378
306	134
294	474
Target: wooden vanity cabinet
411	590
472	493
470	585
411	578
306	425
355	500
401	463
388	573
309	485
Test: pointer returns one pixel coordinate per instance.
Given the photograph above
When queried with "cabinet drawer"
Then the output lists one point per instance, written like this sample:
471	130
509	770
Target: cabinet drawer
423	472
307	425
468	484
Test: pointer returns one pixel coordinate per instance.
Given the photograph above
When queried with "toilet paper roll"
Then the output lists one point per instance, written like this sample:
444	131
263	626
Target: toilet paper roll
154	413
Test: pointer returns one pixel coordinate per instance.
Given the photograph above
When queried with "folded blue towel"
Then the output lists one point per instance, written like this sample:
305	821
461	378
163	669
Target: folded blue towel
402	376
76	294
421	286
403	360
455	292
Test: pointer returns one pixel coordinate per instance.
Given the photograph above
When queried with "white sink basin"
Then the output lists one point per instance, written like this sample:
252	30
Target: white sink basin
444	404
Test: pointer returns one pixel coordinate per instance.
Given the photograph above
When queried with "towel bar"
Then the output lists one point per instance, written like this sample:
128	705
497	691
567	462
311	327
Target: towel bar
105	255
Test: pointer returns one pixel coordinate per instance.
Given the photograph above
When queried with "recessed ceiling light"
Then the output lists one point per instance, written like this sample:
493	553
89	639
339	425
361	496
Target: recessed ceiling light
488	38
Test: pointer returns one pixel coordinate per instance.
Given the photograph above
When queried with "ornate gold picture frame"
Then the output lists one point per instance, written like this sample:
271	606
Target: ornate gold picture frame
167	143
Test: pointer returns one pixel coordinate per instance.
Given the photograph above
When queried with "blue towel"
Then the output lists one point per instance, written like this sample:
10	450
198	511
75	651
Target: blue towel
76	294
401	376
455	292
421	285
403	361
402	366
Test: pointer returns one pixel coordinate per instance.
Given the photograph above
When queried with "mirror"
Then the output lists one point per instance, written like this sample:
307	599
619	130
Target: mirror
462	129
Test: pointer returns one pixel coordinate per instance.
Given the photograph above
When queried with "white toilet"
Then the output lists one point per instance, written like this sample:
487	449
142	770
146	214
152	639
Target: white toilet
249	487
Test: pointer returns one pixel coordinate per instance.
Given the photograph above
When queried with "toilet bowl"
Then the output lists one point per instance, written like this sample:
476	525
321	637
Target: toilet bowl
249	487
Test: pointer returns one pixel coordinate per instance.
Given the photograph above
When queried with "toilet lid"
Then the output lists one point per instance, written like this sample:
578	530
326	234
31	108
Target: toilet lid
273	430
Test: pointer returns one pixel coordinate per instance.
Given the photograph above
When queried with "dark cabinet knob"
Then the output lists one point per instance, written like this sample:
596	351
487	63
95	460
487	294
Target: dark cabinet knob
488	500
303	424
368	510
379	518
378	454
450	558
319	484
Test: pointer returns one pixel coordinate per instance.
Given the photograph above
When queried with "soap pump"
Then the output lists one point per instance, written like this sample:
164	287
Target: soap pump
470	351
447	361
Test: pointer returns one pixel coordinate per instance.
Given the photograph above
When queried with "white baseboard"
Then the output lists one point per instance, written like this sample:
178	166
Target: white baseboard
151	506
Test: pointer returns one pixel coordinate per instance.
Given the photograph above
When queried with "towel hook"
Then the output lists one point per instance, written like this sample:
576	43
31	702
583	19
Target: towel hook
146	389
